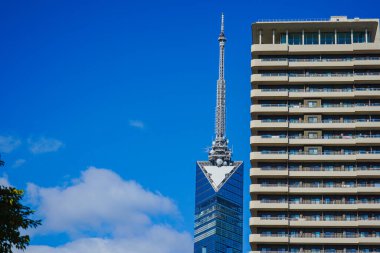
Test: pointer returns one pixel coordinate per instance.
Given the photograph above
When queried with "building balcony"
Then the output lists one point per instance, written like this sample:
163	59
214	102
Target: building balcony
268	222
323	189
278	124
269	63
316	93
369	223
323	240
269	108
315	172
319	206
349	78
268	188
269	79
326	125
266	48
332	48
264	93
260	172
269	156
322	173
272	140
260	238
322	223
326	156
315	63
367	206
268	205
372	240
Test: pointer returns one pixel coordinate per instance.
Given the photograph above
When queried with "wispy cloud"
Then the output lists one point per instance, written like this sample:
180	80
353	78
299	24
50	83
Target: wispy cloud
44	145
119	215
8	143
4	181
18	163
137	124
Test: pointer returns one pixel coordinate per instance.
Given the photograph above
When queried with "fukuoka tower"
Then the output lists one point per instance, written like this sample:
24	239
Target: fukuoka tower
218	225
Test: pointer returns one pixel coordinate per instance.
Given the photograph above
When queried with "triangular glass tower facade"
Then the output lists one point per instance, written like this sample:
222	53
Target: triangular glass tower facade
218	226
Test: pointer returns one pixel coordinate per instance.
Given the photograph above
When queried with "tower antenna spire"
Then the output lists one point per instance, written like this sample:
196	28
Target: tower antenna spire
220	154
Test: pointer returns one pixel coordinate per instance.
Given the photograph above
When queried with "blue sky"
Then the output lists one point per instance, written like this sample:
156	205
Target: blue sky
127	86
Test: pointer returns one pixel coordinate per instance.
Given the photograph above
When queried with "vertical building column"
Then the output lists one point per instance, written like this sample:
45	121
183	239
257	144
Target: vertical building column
260	36
303	37
366	35
273	36
319	37
335	37
287	37
352	36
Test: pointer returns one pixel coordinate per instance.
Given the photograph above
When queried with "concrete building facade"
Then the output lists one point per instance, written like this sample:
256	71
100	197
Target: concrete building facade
315	136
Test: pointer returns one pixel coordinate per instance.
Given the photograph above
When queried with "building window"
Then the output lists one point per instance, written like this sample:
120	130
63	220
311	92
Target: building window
204	250
295	38
313	151
312	104
313	135
327	38
312	119
311	38
283	38
359	37
344	38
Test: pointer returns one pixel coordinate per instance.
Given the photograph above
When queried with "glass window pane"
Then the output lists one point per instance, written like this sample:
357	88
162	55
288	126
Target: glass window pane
344	38
359	37
295	38
283	38
327	38
311	38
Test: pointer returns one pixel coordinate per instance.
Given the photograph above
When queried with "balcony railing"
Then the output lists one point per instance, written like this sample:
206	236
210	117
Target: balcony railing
321	235
348	74
331	202
268	136
320	90
348	59
346	152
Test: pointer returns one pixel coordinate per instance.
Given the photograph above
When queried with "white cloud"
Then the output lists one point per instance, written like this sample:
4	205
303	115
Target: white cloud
120	216
44	145
4	181
157	239
137	124
18	163
8	143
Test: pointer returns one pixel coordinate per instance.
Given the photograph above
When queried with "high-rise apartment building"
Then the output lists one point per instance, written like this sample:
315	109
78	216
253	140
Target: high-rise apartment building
218	224
315	136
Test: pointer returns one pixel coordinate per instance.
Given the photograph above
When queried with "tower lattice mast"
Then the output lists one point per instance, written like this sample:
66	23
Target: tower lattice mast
220	154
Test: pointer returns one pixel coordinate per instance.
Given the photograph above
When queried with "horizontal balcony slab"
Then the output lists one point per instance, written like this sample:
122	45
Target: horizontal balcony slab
320	207
262	124
258	78
258	188
322	157
257	222
323	190
322	223
322	240
268	157
255	172
258	93
332	174
256	204
258	238
259	172
267	141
